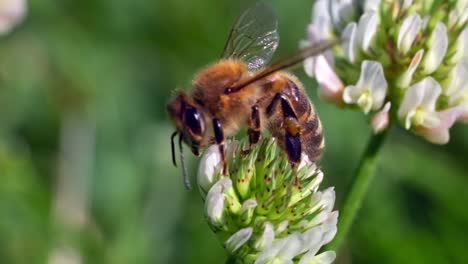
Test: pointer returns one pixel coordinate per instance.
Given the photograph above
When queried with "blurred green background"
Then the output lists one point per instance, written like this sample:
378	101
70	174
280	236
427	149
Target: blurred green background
85	167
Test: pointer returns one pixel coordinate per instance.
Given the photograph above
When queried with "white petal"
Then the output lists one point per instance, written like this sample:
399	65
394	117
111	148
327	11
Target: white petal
305	162
292	247
461	51
320	10
248	204
419	103
267	237
412	99
326	257
214	204
438	47
431	120
432	91
341	12
372	78
309	66
270	253
313	239
378	84
458	79
238	239
329	235
379	121
208	168
315	34
350	41
330	85
462	7
371	5
282	226
371	89
440	134
351	94
320	218
408	31
12	13
328	199
367	28
407	76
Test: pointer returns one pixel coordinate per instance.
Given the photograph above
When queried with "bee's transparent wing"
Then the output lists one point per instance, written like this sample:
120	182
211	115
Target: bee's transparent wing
254	37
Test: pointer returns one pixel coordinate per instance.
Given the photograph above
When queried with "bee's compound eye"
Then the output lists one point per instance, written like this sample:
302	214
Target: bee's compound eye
194	121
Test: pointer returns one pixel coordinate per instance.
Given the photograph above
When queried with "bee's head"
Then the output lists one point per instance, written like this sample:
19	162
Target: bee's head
189	121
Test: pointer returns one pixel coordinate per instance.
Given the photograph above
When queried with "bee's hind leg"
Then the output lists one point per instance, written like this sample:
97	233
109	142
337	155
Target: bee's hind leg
291	125
254	128
219	140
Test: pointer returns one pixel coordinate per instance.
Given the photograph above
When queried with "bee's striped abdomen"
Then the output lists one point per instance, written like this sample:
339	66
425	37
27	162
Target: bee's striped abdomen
311	137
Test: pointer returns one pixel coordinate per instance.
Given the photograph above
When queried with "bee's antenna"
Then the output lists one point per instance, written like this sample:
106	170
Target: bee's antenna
173	148
182	163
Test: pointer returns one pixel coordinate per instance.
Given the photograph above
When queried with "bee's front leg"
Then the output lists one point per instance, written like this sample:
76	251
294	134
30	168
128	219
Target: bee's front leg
291	125
219	139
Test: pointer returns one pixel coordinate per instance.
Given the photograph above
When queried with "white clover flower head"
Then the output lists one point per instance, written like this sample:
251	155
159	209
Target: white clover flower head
408	42
418	106
263	211
12	12
370	90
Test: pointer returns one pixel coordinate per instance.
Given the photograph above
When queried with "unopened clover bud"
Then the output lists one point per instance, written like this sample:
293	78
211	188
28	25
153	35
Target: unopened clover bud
238	239
461	47
350	42
367	29
380	120
438	44
458	83
407	77
214	205
207	171
408	31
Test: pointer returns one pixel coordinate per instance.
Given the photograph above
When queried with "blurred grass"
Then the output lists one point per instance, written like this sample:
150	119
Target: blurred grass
113	65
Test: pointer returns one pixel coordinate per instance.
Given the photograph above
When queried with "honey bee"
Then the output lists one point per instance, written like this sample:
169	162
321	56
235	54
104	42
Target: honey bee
238	91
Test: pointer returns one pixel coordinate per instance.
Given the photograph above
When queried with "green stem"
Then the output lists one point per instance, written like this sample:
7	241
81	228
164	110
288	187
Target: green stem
231	260
362	179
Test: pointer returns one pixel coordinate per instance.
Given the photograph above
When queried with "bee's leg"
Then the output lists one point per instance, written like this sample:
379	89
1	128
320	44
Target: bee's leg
254	126
219	139
291	126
